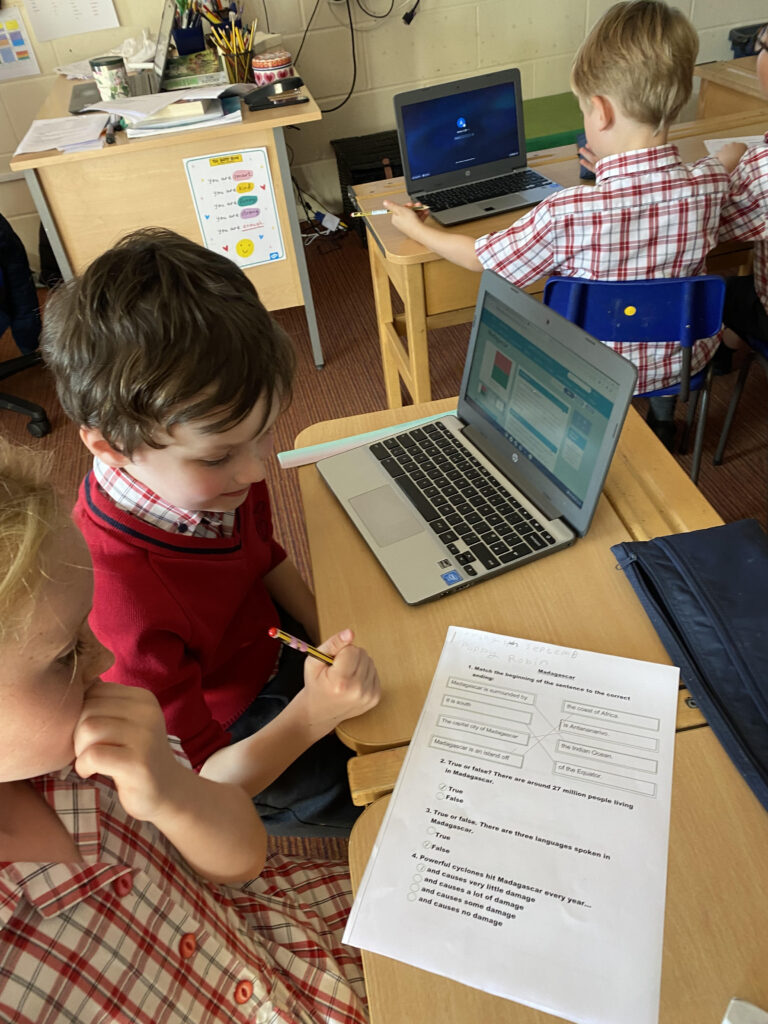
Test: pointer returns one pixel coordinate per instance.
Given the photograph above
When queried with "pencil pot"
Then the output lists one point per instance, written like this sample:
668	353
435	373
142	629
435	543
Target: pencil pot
238	65
189	40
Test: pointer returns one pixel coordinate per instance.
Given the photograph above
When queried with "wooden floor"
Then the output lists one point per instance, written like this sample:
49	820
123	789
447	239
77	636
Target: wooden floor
351	383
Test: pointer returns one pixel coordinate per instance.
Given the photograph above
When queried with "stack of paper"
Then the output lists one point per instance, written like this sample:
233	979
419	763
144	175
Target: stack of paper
68	134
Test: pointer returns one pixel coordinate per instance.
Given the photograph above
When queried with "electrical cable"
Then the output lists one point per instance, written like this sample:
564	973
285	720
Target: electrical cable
371	14
338	106
301	44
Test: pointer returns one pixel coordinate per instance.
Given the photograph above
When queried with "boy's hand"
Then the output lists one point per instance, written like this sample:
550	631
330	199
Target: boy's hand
730	154
347	688
587	158
121	733
407	218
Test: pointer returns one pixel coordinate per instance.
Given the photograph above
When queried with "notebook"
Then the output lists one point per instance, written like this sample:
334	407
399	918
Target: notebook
142	83
514	475
462	146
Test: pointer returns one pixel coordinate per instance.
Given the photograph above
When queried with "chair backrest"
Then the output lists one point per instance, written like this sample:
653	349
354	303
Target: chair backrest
681	309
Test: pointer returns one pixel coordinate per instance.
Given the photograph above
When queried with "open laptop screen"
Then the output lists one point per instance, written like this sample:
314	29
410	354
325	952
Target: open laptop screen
554	413
458	131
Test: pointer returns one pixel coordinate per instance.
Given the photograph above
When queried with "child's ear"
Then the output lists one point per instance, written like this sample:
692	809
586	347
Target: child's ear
603	112
94	441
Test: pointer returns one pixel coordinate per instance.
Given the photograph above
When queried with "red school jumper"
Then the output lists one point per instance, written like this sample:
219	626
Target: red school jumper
185	617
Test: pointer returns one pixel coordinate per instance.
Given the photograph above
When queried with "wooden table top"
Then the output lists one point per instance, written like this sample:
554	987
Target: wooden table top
576	597
739	74
716	922
57	104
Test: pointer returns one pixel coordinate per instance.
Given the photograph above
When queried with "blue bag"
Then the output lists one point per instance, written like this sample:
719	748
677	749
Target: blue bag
706	594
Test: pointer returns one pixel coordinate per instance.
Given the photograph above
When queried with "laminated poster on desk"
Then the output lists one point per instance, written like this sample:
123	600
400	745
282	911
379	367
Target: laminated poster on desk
17	58
235	205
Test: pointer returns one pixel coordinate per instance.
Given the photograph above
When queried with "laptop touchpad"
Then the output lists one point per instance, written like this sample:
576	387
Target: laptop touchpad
386	515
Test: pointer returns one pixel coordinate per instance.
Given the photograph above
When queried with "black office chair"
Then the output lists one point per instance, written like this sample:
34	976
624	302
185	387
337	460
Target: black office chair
19	310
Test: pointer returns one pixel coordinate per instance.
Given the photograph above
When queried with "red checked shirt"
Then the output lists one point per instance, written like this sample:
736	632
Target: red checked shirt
745	213
648	215
132	496
130	935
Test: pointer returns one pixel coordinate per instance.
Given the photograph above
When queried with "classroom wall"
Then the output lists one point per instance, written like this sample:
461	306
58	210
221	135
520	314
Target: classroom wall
447	39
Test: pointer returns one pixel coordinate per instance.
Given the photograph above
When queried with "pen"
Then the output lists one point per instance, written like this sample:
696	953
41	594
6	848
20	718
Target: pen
377	213
110	132
299	645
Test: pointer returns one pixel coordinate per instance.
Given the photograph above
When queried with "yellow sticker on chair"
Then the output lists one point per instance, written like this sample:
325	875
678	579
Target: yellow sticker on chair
630	310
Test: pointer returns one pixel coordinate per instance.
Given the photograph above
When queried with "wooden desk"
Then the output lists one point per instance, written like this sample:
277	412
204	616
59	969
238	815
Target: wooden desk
88	200
730	87
437	293
576	597
716	923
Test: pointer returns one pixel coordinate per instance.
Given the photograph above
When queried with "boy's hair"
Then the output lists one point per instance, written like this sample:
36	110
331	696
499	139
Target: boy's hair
642	54
29	512
159	331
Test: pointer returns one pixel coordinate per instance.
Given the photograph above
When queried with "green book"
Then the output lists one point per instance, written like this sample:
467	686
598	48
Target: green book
185	72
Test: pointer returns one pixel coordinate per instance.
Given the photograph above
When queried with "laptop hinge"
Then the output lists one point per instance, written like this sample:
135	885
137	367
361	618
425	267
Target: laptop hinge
508	469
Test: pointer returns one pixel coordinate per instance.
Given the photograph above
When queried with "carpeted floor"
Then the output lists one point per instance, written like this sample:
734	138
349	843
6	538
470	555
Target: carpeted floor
351	383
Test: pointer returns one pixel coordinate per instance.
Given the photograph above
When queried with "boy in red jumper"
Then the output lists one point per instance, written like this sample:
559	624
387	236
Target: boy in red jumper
167	360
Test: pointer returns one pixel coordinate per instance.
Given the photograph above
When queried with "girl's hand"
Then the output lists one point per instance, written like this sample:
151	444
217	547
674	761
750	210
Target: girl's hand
121	733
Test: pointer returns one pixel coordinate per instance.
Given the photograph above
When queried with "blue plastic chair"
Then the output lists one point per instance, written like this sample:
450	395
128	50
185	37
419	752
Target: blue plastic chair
681	309
758	352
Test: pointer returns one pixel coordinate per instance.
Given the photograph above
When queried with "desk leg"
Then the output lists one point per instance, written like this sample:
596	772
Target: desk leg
298	245
415	317
382	298
49	225
409	362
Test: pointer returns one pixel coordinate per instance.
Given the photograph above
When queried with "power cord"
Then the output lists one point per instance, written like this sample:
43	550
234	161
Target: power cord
410	15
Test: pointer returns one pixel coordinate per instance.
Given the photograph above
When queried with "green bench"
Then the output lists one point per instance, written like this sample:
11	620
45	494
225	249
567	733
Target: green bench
552	121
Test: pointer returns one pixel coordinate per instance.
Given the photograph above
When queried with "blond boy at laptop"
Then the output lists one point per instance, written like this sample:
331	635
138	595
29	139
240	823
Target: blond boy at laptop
648	215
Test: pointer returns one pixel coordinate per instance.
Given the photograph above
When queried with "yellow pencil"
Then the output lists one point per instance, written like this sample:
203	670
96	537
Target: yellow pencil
299	645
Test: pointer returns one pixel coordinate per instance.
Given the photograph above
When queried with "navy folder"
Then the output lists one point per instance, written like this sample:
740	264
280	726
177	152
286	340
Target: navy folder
706	593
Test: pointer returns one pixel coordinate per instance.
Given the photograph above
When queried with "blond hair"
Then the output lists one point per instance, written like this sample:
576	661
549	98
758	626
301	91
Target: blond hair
642	55
29	512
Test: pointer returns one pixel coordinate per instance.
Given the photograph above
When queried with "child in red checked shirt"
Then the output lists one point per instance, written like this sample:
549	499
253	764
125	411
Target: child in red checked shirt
648	215
132	889
745	216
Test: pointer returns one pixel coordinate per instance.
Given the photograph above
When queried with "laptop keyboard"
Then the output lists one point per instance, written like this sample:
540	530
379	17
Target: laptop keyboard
477	191
477	520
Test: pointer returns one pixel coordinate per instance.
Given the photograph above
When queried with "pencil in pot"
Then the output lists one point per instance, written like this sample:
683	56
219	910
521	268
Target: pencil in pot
299	645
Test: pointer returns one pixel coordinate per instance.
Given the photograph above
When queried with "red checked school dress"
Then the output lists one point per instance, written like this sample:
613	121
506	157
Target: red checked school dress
132	936
648	215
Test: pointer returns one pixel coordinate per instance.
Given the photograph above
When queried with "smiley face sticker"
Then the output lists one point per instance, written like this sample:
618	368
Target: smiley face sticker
244	248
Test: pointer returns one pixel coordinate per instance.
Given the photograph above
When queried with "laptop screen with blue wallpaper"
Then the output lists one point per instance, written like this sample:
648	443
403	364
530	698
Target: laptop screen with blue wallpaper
461	131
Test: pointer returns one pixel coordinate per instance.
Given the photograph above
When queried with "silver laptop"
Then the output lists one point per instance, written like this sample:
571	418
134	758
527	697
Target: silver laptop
142	83
515	475
462	146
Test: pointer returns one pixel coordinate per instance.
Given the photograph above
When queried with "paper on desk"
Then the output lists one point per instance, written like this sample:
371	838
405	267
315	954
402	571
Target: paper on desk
524	849
134	108
65	133
712	145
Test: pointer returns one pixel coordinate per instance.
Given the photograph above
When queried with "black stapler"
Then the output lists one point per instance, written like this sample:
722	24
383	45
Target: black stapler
280	93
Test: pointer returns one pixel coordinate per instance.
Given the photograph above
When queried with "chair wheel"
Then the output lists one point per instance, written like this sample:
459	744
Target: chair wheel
39	428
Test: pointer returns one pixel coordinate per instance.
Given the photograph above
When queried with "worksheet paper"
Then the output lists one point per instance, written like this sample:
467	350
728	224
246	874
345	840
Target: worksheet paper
524	849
